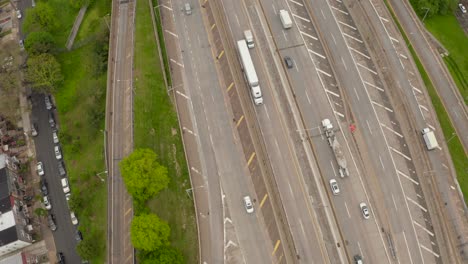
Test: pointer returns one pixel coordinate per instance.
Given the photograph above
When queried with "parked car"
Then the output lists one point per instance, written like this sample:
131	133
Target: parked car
40	169
73	218
248	204
55	137
51	222
61	168
357	259
365	210
47	203
289	62
44	189
58	153
21	44
18	14
34	130
334	187
78	235
67	196
47	101
462	8
66	188
51	120
60	258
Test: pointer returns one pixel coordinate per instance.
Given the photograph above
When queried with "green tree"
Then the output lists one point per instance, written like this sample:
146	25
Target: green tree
40	18
39	42
40	212
163	255
87	249
148	232
143	176
44	73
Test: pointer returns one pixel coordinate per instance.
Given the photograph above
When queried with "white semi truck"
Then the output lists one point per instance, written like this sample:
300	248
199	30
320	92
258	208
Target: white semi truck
429	139
285	19
249	71
249	39
333	142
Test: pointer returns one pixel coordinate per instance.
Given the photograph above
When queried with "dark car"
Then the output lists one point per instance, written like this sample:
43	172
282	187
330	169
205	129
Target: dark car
357	259
289	62
60	258
51	120
78	236
44	189
51	222
61	168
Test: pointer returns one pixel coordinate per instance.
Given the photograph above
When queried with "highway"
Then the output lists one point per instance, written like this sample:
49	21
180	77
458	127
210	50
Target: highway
119	131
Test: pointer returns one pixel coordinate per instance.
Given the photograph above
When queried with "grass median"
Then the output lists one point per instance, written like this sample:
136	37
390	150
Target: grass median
156	127
460	160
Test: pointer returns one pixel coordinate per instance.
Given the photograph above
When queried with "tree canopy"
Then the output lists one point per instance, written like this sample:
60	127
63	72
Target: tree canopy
149	233
39	42
163	255
143	176
40	18
44	73
432	7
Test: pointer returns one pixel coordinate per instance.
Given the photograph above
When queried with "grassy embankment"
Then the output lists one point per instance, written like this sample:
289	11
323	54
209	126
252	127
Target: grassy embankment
456	150
156	127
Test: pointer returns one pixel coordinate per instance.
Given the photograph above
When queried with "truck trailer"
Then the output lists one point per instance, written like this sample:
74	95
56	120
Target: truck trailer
285	19
249	39
249	71
429	139
336	147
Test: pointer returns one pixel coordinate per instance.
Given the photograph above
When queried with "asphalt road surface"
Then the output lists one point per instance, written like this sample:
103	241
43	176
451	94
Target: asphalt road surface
119	120
64	236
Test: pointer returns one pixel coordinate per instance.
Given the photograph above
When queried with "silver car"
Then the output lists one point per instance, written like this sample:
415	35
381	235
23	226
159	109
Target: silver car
365	210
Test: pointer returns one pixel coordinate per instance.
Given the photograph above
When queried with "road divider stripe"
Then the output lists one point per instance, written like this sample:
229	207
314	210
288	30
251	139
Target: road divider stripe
220	55
230	86
251	158
240	121
276	247
212	26
263	200
128	211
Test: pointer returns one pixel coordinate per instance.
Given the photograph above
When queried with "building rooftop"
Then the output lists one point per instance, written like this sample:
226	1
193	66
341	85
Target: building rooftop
8	235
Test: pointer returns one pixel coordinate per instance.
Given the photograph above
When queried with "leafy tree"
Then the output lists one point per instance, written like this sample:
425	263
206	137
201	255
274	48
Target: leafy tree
87	248
163	255
44	73
148	232
144	177
40	18
40	212
39	42
80	3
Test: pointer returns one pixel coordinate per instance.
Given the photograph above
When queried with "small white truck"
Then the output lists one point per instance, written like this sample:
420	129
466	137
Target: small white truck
249	39
429	139
285	19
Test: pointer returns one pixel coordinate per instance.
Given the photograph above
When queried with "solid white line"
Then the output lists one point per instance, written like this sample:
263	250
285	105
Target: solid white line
344	64
360	53
173	34
359	246
403	56
330	92
384	107
376	87
416	89
370	130
415	203
381	162
406	242
318	54
423	107
359	64
347	210
326	73
165	7
186	97
344	24
400	153
425	229
349	36
333	167
323	14
301	18
334	40
355	91
393	39
384	19
338	113
393	131
339	10
307	95
310	36
407	177
394	203
297	3
430	251
181	65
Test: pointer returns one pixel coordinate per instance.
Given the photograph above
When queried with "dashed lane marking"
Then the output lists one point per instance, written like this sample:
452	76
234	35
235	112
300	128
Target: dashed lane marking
297	3
169	32
339	10
181	65
315	53
364	67
407	177
425	229
415	203
430	251
324	72
360	53
400	153
308	35
301	18
181	94
353	38
349	26
374	86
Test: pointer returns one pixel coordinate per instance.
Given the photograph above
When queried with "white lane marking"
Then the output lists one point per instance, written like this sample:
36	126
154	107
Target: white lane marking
318	54
355	91
181	65
344	64
188	130
195	170
360	53
324	72
323	14
370	129
384	19
364	67
173	34
237	19
423	107
284	35
181	94
339	10
408	177
307	95
393	131
381	162
416	89
297	3
308	35
330	92
403	56
290	188
353	38
431	127
360	249
347	210
384	107
165	7
302	227
274	9
415	203
406	243
430	251
401	63
344	24
394	203
453	188
333	167
301	18
375	86
425	229
393	39
266	112
400	153
339	114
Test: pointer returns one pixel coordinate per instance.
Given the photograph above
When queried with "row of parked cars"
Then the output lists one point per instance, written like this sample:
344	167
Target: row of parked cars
61	168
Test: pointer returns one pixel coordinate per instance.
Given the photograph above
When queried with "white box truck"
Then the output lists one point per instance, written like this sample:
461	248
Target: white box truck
429	139
249	39
285	19
249	71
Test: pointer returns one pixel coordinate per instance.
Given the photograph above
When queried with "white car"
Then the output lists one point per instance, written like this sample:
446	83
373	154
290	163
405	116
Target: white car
18	14
248	204
47	204
40	168
462	8
67	196
66	188
47	102
73	218
334	187
58	153
55	137
365	210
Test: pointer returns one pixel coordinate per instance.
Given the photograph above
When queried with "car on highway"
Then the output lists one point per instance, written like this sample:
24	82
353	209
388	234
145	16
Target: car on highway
58	153
248	204
334	187
289	62
358	259
47	203
51	222
61	168
66	188
44	189
55	137
40	168
188	9
462	8
47	101
73	218
34	130
18	14
364	210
